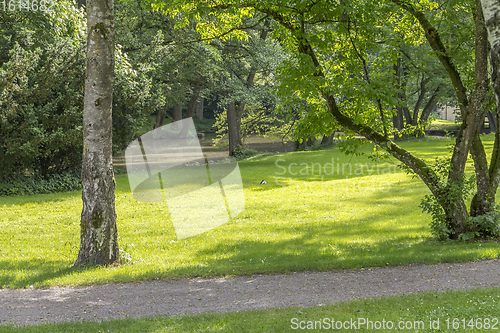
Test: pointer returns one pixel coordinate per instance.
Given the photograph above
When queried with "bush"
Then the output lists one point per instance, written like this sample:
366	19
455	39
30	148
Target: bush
241	153
204	125
38	184
42	83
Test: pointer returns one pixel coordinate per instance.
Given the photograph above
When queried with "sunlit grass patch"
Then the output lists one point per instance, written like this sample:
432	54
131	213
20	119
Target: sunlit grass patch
307	216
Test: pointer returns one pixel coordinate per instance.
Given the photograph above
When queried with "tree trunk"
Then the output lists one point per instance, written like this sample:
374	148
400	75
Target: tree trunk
431	104
492	121
177	115
327	139
231	127
99	245
177	112
491	12
421	96
193	102
199	108
453	205
482	202
239	114
160	117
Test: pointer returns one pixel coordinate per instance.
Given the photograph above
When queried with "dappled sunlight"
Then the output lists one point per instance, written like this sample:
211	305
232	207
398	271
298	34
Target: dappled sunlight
306	222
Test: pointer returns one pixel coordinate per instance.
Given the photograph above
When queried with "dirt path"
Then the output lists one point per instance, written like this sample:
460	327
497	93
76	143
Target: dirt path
190	296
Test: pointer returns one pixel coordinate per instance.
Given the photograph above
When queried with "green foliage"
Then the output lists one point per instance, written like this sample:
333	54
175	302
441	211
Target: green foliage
41	118
452	194
255	120
482	226
42	79
204	125
240	153
39	184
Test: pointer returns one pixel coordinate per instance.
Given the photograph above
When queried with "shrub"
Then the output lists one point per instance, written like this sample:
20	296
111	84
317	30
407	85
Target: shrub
38	184
42	82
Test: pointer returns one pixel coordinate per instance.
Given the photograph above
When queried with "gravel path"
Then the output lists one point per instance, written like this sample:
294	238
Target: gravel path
189	296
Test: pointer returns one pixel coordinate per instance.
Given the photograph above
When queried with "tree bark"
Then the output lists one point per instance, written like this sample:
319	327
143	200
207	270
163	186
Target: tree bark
99	245
430	105
482	202
231	127
177	112
160	117
421	96
491	13
193	102
327	139
240	109
199	108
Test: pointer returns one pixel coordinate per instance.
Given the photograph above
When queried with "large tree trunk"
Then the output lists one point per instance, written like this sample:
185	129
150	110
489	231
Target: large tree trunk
177	115
467	140
491	13
482	202
99	243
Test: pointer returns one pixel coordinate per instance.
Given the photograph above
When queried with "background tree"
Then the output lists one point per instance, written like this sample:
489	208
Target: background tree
336	69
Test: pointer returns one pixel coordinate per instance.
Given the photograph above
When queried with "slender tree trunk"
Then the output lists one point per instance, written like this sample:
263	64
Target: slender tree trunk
421	96
193	102
327	139
240	109
492	121
160	117
231	127
199	108
397	119
99	243
177	112
430	105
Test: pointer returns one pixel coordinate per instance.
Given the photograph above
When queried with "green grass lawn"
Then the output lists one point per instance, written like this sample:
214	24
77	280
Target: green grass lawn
309	216
457	311
444	124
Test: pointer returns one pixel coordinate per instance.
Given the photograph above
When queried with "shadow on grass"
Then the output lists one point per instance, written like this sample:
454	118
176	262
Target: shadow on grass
319	233
23	273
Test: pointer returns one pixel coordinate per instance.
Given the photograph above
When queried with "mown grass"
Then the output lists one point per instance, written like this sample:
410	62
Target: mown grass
442	122
426	312
304	218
